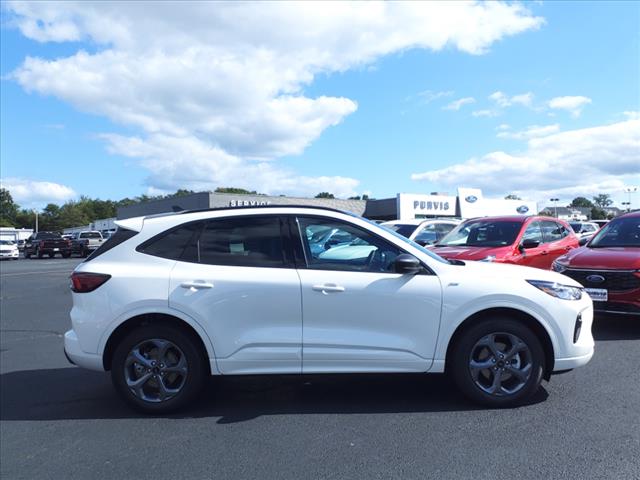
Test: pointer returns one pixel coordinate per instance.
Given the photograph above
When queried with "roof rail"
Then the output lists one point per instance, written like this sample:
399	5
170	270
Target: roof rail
242	207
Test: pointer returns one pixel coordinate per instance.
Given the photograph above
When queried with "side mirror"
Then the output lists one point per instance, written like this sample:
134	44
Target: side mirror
408	264
529	244
423	243
583	241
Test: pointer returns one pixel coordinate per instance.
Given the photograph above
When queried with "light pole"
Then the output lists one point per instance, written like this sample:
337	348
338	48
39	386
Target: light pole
555	206
629	190
36	212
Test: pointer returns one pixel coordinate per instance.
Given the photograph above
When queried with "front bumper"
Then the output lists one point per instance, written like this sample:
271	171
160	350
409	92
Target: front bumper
14	254
75	355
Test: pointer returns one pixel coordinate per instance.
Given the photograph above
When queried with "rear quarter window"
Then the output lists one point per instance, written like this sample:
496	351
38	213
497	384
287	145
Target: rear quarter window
121	236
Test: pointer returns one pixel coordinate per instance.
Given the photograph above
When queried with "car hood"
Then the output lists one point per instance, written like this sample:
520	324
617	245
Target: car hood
487	270
470	253
610	258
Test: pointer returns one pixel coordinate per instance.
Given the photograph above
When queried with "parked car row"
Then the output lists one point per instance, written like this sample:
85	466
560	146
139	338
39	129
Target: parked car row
52	243
607	265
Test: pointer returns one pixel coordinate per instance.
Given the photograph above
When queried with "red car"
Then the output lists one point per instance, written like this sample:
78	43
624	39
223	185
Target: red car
609	266
530	241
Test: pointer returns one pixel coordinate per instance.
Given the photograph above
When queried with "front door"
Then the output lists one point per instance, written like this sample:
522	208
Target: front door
235	279
358	314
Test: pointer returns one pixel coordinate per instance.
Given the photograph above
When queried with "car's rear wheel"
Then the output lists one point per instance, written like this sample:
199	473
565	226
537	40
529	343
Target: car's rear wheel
158	369
39	253
51	254
27	255
498	362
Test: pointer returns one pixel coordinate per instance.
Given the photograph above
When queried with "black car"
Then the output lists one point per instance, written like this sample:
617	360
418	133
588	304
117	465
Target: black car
47	243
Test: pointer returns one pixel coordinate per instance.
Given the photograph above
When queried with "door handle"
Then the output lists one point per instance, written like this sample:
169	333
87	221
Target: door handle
196	285
544	252
328	288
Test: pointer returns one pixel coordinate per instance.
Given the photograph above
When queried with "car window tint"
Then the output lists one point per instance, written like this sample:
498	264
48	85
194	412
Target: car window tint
250	241
533	233
553	231
172	244
364	252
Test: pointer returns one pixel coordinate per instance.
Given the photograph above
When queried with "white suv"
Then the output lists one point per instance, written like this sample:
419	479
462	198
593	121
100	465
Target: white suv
173	298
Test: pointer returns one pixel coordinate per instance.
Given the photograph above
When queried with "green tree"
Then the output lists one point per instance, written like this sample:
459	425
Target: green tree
581	202
598	213
325	195
8	209
235	190
603	200
511	196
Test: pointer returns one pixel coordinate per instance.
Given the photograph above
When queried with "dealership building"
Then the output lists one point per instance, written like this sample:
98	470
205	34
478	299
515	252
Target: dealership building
468	203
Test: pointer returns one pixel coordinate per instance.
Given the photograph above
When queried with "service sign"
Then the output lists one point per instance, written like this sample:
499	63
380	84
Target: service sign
418	206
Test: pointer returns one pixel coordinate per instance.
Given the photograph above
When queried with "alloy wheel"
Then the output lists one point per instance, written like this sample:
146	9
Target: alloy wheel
500	364
155	370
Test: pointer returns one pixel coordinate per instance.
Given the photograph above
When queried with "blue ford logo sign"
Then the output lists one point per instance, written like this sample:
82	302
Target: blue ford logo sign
595	279
522	209
471	198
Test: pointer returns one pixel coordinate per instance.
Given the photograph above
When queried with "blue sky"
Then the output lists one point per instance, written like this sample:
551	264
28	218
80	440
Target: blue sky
552	99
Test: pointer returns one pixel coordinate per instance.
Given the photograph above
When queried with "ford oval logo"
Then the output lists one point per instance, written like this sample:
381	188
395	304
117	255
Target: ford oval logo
522	209
595	279
471	198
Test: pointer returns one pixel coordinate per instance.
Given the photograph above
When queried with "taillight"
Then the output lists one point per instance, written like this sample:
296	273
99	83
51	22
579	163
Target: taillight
84	282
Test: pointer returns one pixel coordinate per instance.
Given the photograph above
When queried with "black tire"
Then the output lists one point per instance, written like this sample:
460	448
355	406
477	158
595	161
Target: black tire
194	379
39	254
66	255
27	255
467	345
52	254
84	253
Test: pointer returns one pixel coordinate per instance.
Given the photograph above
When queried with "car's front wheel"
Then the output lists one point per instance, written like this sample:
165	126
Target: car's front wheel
158	369
498	362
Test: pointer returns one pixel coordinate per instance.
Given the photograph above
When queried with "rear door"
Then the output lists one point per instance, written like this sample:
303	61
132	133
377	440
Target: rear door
237	280
358	314
558	239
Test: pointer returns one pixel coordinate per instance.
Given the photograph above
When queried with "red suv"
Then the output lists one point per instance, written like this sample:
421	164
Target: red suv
530	241
609	266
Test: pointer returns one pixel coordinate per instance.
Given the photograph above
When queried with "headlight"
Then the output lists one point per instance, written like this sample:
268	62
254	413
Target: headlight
558	267
490	258
558	290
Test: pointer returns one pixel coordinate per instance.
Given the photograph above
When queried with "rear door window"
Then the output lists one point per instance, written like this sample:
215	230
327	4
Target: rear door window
250	241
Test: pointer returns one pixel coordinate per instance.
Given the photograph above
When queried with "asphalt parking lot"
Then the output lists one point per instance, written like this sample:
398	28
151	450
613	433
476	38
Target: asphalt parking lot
61	422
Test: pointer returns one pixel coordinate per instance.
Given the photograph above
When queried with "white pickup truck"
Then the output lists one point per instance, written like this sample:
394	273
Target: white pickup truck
84	243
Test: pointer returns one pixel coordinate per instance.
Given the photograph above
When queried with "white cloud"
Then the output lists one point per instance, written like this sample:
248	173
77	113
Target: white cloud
632	115
194	164
429	96
231	75
28	193
572	104
531	131
485	113
457	104
600	159
503	100
503	127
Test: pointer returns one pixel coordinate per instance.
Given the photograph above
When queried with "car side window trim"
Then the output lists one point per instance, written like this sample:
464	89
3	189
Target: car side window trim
288	258
301	253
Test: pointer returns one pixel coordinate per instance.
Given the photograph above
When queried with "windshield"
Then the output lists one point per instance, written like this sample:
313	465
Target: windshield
576	227
90	235
622	232
482	233
47	235
402	228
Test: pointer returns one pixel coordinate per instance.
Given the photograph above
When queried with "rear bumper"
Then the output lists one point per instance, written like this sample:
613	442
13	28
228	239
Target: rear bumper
75	355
